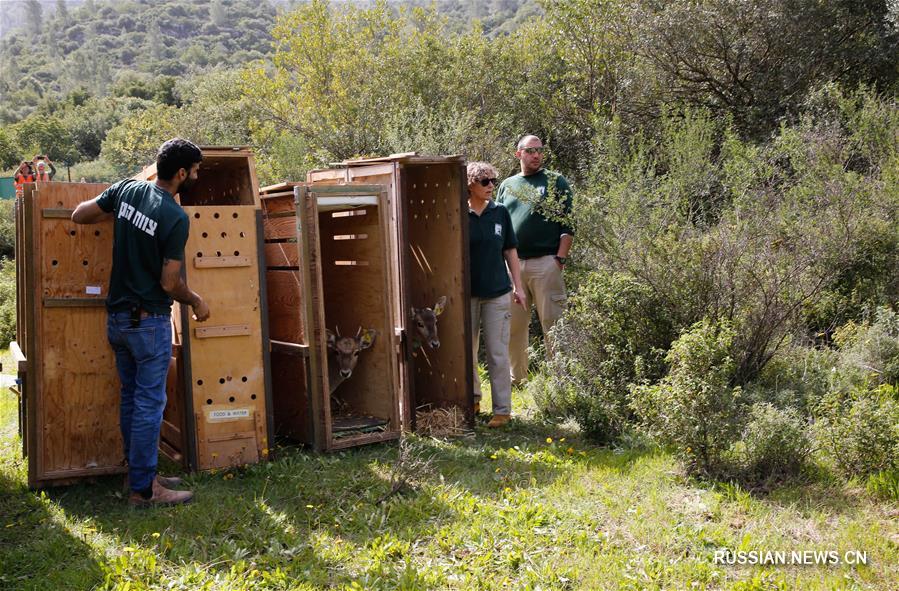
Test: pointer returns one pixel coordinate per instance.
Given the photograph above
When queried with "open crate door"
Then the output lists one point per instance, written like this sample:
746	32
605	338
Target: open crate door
70	389
343	238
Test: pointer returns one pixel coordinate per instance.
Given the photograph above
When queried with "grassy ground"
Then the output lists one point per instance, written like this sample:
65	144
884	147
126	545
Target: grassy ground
531	507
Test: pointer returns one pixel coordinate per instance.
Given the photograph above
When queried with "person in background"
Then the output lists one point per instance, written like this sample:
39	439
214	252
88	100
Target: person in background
539	202
24	174
43	168
150	232
493	261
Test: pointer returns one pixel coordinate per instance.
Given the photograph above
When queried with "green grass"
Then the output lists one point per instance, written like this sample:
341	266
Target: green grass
531	507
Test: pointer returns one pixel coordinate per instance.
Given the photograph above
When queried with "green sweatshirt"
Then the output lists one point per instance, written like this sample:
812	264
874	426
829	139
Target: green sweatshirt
540	206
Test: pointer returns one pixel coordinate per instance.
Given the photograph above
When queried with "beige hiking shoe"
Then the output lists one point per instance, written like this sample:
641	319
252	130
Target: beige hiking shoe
162	497
499	421
165	481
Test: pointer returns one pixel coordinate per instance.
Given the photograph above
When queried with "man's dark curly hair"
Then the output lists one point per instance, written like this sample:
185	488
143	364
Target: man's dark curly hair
174	155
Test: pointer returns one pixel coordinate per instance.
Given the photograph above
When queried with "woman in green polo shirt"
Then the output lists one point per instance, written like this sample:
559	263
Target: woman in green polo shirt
494	258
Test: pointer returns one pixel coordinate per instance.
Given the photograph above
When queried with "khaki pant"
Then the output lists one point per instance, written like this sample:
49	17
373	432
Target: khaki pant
545	288
493	316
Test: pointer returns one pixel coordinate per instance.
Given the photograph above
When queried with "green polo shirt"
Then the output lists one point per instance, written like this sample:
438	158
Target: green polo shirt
540	215
489	235
149	228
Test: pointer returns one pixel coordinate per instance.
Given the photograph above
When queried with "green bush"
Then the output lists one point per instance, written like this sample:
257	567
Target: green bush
797	377
613	335
775	443
7	301
869	351
859	431
695	409
884	485
7	228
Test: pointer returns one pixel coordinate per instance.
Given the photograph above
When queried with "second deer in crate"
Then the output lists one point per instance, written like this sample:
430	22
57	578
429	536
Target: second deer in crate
345	353
424	325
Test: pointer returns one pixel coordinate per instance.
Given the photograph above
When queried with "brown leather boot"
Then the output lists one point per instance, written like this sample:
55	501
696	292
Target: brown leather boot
165	481
499	421
161	497
477	408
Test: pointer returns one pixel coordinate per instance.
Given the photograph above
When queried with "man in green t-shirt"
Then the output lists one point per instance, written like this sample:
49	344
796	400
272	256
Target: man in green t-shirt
539	202
149	234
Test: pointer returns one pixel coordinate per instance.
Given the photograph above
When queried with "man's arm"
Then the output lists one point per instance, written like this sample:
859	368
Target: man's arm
89	212
52	169
174	284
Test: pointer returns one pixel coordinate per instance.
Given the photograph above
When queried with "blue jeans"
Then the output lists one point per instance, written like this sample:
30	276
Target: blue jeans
142	357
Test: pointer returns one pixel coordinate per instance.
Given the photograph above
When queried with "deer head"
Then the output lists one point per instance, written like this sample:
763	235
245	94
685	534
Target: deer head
346	349
424	323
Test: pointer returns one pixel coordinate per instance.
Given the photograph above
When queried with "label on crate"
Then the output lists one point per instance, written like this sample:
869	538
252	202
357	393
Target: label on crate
93	289
227	414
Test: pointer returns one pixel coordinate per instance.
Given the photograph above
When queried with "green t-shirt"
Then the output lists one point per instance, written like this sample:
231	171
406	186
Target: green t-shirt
540	214
149	228
489	235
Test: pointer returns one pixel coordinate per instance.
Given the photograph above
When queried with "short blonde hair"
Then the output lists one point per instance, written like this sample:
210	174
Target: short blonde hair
480	170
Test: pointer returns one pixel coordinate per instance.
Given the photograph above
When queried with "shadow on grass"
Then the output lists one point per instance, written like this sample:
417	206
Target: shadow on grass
36	552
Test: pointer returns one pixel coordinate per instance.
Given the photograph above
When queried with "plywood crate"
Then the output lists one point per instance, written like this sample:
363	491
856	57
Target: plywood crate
219	410
69	385
427	203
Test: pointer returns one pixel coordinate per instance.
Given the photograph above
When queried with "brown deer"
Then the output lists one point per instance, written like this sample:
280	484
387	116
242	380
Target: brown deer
346	351
424	324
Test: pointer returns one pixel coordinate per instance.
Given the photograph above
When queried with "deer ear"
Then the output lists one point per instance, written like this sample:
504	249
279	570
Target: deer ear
332	339
438	307
368	338
413	313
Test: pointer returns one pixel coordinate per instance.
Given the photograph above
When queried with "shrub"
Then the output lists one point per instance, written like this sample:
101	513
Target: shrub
7	301
859	431
695	409
884	485
613	335
869	351
775	443
7	228
797	377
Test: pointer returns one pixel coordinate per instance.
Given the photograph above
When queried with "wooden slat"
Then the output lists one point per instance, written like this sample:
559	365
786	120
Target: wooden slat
279	228
56	213
290	348
282	254
207	262
74	302
231	330
285	304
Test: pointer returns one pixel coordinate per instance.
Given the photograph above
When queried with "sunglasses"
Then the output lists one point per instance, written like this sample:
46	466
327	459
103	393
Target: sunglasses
485	182
532	150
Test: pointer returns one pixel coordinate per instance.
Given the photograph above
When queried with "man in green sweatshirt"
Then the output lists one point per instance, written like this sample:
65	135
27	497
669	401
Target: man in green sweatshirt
539	202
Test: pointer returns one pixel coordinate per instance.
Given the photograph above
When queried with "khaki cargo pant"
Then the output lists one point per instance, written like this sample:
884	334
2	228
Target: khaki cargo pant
545	288
493	316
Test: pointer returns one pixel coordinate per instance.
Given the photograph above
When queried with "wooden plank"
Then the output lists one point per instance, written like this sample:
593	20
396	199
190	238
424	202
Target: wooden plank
221	262
290	348
18	357
56	213
281	254
285	304
229	330
279	228
74	302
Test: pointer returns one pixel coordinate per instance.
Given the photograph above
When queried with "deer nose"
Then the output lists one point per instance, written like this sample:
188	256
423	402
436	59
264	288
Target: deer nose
345	373
435	344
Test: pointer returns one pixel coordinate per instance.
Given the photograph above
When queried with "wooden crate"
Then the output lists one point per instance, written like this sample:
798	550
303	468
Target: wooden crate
428	209
219	410
69	385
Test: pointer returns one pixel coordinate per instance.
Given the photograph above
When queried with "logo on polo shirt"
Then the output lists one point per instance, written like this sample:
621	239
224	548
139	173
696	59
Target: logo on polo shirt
498	229
140	221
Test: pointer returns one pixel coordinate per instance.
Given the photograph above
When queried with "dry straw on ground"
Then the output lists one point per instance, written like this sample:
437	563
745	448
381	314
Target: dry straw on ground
440	422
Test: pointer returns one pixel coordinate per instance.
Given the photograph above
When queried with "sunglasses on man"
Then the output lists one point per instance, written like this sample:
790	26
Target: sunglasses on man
533	150
485	182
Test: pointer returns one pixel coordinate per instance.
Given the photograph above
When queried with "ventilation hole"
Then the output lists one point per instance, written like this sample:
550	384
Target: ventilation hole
205	235
242	235
72	232
234	215
197	215
54	262
224	234
199	382
84	263
199	255
243	379
231	399
96	232
216	215
252	397
221	380
209	401
218	253
236	253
